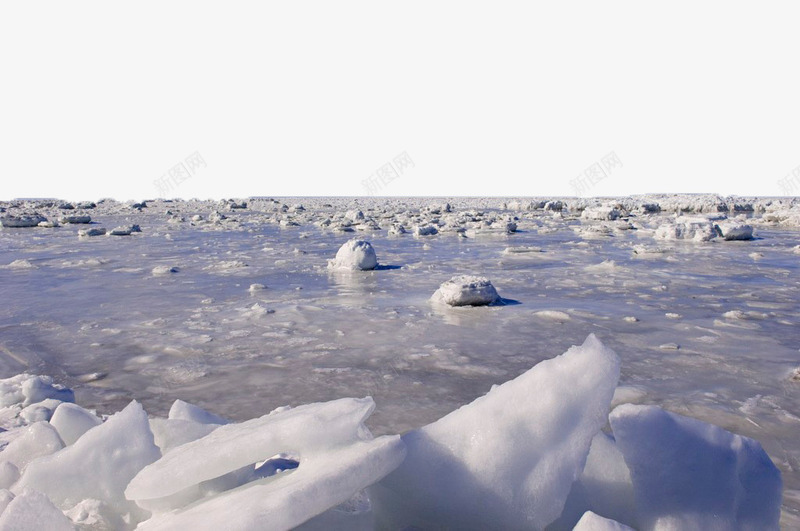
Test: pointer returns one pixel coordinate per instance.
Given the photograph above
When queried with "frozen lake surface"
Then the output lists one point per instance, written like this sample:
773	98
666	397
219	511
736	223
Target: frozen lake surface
706	329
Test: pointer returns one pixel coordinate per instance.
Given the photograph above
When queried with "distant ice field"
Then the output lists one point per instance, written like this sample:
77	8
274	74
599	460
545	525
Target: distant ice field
706	329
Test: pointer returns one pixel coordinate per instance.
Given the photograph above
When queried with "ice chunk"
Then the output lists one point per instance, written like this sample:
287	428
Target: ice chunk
466	290
9	474
228	448
94	514
99	465
735	231
71	421
39	411
508	459
181	410
22	220
696	229
26	389
688	474
171	433
37	440
5	499
355	255
604	487
163	270
323	480
594	522
425	230
91	232
32	511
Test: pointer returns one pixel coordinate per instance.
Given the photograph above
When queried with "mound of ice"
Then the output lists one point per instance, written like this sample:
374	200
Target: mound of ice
21	263
31	220
691	475
508	459
466	290
76	219
355	255
163	270
695	229
425	230
31	510
25	389
98	465
91	232
735	231
337	456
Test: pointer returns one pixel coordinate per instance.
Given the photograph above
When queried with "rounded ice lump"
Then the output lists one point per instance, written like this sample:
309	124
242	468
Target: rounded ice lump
466	290
355	255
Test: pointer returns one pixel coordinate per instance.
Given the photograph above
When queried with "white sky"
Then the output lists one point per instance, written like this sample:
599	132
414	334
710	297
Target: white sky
101	99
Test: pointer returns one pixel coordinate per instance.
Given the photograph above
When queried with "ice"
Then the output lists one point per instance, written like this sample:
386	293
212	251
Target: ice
99	465
695	229
91	232
688	474
508	459
32	511
323	480
735	231
5	499
181	410
171	433
355	255
603	487
25	389
466	290
37	440
31	220
9	474
307	428
39	411
117	333
594	522
71	421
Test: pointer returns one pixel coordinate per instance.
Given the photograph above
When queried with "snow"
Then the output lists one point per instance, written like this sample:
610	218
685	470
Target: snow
355	255
687	474
508	459
466	290
36	440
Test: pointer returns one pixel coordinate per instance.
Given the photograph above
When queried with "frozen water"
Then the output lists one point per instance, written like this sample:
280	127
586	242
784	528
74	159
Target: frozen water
594	522
71	421
31	510
90	313
99	465
508	459
687	474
